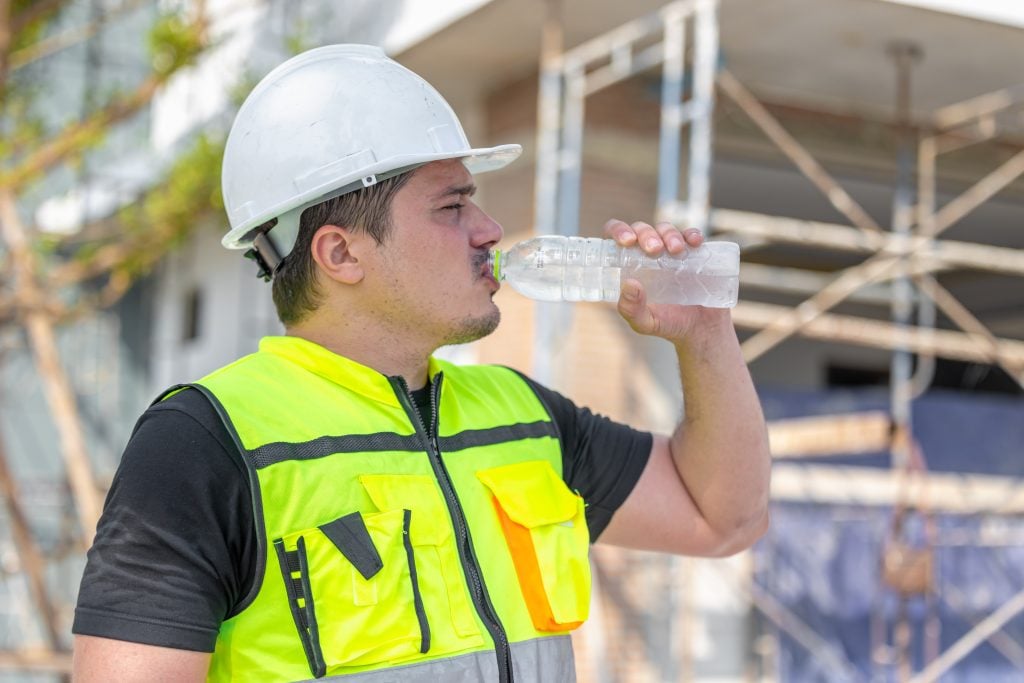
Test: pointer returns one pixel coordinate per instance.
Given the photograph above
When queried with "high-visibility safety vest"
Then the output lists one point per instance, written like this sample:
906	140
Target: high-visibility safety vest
387	554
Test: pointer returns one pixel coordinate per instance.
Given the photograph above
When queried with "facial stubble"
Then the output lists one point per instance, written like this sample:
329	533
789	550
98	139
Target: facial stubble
472	328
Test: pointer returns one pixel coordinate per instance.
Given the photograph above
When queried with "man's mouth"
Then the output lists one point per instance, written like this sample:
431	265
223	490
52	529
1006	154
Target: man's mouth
483	267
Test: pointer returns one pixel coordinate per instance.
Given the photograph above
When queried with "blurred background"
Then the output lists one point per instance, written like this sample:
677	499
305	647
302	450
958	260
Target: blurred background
866	155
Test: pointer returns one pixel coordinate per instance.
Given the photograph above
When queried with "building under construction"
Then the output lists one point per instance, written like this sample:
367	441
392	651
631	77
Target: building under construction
865	154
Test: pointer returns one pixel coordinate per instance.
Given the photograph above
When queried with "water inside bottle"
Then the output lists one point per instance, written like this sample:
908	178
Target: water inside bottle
580	283
685	287
591	269
661	285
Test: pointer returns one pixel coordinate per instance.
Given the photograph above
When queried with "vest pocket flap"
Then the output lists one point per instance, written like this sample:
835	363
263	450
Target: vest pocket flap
350	536
345	618
531	493
545	531
416	492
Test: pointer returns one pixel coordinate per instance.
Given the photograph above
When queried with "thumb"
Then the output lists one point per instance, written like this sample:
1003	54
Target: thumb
634	309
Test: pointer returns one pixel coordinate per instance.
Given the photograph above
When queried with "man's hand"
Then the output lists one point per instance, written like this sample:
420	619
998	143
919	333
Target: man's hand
669	321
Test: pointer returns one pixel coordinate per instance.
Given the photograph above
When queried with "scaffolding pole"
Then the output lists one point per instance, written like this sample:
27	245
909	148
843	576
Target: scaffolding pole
971	640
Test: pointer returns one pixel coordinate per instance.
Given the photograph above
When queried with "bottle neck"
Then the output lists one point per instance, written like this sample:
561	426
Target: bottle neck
494	264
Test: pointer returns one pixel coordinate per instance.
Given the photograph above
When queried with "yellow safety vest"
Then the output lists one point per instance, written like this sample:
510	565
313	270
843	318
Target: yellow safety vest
457	557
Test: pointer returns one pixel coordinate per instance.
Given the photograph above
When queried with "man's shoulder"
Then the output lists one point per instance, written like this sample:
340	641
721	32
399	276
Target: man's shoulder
186	403
185	420
239	365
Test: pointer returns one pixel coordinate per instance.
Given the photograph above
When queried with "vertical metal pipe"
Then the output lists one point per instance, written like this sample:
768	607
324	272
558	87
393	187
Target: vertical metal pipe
570	156
904	56
549	114
546	182
703	108
555	319
926	161
674	46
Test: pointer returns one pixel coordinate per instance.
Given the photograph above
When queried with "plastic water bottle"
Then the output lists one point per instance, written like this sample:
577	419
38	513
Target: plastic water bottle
560	268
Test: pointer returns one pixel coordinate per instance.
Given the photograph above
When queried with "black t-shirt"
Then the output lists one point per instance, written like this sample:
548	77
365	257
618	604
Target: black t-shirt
175	549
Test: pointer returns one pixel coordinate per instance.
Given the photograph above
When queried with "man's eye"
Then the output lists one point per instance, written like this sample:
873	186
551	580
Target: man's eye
455	207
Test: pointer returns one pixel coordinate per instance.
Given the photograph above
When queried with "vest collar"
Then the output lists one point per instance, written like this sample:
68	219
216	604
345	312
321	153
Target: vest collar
338	369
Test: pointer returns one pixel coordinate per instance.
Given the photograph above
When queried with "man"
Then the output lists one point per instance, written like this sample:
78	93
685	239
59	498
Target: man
341	503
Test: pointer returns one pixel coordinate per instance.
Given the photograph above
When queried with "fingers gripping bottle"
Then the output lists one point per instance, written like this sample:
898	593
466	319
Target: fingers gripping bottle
560	268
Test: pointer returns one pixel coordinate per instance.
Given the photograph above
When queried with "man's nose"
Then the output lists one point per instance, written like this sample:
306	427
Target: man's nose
486	230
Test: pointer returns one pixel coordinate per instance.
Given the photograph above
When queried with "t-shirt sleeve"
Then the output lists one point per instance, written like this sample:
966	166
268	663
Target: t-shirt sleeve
601	459
176	538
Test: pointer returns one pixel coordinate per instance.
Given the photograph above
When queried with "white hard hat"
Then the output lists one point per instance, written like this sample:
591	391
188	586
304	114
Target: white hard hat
330	121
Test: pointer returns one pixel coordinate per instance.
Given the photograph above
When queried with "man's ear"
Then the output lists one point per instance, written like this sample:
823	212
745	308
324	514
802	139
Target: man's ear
335	249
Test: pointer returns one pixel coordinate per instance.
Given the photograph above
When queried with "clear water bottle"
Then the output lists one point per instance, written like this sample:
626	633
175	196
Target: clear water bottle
560	268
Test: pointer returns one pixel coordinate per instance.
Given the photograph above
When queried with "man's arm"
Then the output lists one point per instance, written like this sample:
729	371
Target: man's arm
704	491
171	558
102	660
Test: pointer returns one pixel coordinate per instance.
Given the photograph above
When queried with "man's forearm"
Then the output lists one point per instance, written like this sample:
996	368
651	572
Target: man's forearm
721	446
719	503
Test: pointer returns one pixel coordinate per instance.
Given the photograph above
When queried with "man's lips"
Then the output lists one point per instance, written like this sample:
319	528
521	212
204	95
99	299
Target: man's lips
487	275
484	268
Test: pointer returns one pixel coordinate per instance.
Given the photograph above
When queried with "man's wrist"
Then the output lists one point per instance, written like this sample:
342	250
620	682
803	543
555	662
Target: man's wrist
711	326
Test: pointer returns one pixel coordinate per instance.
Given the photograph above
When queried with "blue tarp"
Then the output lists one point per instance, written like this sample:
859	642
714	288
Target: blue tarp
958	432
824	562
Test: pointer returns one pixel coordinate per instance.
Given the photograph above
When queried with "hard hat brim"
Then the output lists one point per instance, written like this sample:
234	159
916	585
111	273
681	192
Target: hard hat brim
476	160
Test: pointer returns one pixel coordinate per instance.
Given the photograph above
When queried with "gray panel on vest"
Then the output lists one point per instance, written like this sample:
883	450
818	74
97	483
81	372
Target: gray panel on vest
543	660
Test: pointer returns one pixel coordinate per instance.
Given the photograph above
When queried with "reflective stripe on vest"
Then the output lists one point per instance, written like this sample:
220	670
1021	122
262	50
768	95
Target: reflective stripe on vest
382	548
543	660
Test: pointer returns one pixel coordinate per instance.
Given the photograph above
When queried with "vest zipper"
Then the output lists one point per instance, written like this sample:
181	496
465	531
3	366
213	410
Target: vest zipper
470	565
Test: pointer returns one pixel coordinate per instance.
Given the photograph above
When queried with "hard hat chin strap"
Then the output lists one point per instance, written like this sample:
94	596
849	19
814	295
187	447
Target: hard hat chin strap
265	254
273	244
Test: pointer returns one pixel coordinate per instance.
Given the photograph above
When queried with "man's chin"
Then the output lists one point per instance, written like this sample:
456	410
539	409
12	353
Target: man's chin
472	329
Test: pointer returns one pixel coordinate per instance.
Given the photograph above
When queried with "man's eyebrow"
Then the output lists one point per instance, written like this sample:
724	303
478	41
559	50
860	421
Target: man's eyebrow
462	190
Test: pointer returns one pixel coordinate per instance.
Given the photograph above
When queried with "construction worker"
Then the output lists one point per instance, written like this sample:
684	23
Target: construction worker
341	503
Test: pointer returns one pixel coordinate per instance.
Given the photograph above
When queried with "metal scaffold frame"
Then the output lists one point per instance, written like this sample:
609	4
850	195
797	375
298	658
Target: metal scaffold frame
910	255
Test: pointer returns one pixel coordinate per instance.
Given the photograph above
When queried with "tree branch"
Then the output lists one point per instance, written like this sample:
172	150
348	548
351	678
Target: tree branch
61	41
76	137
145	249
38	10
56	385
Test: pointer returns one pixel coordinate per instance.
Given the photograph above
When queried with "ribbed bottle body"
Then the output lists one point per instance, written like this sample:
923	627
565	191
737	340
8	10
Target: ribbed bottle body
560	268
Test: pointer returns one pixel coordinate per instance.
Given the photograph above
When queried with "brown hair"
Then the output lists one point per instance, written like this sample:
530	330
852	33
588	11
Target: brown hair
294	289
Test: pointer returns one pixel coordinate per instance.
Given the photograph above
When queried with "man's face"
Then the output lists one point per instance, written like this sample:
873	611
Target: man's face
432	267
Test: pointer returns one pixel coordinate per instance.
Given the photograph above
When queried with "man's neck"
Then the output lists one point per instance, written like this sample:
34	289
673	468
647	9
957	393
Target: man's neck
384	351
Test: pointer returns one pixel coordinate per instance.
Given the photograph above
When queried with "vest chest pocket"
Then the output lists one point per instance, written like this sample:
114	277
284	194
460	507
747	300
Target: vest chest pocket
545	529
451	614
380	584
